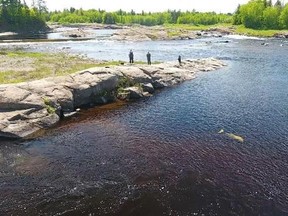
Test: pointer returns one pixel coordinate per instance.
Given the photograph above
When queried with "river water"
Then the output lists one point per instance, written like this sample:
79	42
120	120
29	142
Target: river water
163	155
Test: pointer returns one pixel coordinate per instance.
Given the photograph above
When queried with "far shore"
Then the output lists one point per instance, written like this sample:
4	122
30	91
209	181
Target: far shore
164	32
180	31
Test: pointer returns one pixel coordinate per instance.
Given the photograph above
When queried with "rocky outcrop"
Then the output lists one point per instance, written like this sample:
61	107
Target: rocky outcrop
152	33
142	33
281	35
131	93
26	108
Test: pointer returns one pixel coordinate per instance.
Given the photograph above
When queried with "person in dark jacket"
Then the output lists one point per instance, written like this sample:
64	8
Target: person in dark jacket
179	59
148	55
131	57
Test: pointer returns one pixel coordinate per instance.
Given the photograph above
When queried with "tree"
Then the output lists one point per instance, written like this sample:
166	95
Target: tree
72	9
283	19
269	3
252	14
143	18
41	6
237	16
278	4
271	18
16	16
109	18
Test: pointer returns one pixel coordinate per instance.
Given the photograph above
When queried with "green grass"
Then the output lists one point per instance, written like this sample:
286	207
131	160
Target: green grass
259	33
109	63
43	65
25	54
195	27
174	29
10	77
49	107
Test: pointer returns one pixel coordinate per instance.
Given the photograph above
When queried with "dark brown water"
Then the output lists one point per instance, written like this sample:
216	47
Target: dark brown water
164	155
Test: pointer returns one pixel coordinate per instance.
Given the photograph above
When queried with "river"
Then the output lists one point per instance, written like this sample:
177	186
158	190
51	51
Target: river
163	155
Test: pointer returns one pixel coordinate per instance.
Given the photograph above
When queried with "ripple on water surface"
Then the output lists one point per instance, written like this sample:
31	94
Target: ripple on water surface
164	155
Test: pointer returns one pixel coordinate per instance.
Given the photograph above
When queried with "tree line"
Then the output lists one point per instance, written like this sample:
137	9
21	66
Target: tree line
73	15
262	14
17	16
256	14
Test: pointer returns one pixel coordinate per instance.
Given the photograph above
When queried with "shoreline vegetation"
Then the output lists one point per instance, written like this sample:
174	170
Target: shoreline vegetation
256	18
179	31
137	32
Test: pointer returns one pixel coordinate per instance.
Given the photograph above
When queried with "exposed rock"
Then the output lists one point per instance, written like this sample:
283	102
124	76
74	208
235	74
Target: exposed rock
26	108
77	33
281	35
26	125
137	33
135	74
74	35
131	35
148	87
15	98
131	93
88	87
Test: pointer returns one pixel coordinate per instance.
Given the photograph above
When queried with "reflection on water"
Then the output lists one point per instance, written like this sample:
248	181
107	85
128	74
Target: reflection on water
164	155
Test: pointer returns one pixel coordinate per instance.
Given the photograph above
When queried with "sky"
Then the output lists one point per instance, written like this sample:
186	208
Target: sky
219	6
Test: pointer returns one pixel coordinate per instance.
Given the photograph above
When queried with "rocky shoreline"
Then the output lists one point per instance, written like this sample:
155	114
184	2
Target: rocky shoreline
148	33
136	32
26	108
139	33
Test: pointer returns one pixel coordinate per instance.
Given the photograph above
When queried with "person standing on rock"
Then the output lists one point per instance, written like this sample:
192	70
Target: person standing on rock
131	57
179	60
148	55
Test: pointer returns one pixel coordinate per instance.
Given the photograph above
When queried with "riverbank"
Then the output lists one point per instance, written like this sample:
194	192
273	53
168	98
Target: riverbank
167	31
31	106
86	31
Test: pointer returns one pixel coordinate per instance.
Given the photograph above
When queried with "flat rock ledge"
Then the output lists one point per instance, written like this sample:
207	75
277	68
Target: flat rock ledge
26	108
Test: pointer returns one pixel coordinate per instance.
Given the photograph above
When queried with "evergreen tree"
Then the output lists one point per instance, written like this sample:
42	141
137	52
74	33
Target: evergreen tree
269	3
109	18
41	6
15	16
278	4
237	16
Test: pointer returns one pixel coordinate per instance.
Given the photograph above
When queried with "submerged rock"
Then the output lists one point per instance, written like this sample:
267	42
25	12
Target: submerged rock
26	108
232	136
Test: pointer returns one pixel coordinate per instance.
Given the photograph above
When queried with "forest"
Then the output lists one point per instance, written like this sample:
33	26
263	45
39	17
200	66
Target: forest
262	14
256	14
18	17
144	18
